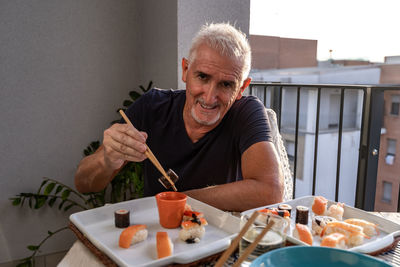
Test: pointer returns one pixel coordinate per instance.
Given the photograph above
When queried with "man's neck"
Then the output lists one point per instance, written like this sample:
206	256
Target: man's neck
194	130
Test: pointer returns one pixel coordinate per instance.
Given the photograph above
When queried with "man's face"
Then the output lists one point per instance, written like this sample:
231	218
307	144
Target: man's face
213	83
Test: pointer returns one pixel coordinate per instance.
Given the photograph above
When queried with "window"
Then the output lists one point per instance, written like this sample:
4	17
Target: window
290	149
387	192
391	151
394	110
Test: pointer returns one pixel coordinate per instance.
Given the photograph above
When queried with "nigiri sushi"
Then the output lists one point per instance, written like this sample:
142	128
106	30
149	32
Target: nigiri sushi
334	240
302	232
190	214
336	211
354	233
370	229
133	234
319	222
165	246
192	231
319	205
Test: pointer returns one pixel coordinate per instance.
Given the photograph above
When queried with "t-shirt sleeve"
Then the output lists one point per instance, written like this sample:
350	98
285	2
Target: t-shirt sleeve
253	124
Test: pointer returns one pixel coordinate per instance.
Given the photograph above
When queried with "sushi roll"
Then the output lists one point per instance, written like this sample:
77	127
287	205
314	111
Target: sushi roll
319	222
172	175
334	240
303	233
121	217
302	215
285	207
319	205
267	215
190	214
133	234
192	231
165	247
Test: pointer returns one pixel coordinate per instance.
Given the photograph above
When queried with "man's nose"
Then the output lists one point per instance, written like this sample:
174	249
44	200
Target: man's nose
210	94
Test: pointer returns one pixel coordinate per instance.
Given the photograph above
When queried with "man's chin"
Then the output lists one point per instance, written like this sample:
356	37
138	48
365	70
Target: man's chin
205	121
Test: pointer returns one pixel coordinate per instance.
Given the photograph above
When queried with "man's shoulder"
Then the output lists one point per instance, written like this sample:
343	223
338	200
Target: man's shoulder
248	102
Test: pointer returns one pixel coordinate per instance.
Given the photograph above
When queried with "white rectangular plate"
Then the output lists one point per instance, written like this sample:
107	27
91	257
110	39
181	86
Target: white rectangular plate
388	230
98	226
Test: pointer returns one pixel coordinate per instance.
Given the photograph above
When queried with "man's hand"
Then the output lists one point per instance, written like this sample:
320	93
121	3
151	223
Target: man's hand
123	142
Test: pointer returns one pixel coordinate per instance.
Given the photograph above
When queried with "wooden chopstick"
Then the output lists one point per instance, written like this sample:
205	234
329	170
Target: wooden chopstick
253	245
236	241
150	154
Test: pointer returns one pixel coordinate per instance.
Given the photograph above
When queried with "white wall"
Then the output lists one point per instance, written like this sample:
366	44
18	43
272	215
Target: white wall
65	67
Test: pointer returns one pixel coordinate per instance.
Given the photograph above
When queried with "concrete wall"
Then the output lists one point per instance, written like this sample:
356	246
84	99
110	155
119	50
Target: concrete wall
66	66
192	14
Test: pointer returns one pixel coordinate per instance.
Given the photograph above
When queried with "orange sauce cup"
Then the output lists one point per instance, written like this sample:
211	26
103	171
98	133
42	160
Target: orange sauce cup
171	206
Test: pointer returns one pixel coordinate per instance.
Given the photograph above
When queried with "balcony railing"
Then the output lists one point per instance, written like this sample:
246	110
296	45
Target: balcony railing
319	120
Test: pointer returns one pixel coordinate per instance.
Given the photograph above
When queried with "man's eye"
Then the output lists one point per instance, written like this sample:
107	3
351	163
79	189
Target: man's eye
227	84
202	76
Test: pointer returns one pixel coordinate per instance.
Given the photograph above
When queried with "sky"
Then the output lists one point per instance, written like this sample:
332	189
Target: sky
352	29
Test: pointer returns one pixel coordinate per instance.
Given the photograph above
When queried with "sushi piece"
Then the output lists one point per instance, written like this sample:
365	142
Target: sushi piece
190	214
285	207
354	233
133	234
164	181
334	240
165	247
302	215
192	231
273	214
121	218
303	233
370	229
319	205
319	223
336	211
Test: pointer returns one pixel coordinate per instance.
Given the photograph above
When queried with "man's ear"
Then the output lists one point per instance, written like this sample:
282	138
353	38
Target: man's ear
185	66
244	86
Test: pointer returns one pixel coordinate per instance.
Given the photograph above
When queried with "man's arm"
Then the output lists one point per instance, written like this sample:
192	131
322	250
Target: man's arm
262	182
121	143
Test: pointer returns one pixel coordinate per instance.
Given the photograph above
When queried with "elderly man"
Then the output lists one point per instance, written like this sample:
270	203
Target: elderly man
213	137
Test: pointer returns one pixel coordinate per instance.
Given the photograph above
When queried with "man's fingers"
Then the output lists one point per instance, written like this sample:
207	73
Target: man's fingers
134	133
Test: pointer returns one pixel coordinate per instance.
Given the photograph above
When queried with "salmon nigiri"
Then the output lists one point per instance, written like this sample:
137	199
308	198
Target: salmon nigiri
193	230
133	234
303	233
165	246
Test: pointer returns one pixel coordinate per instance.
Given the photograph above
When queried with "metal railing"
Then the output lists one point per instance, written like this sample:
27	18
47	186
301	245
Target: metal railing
371	118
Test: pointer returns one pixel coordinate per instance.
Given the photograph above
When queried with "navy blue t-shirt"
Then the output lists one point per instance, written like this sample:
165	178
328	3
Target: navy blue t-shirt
212	160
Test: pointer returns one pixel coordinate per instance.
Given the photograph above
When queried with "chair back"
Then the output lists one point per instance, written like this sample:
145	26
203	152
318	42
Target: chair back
282	155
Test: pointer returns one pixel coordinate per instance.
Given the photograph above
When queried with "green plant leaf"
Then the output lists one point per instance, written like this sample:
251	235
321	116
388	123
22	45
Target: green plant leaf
52	201
134	95
68	207
61	204
58	189
50	232
26	263
33	248
42	184
127	103
65	194
16	201
49	188
40	201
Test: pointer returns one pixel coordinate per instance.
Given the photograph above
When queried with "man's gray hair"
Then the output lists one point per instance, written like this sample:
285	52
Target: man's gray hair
226	39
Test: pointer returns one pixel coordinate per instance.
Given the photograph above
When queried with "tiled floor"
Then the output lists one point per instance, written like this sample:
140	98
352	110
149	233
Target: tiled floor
49	260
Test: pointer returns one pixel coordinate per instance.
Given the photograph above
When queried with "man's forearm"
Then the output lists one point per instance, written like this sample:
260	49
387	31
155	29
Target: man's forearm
241	195
92	174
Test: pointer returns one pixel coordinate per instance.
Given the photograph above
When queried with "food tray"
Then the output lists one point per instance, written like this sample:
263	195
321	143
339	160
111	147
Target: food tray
388	230
98	227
